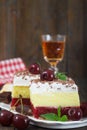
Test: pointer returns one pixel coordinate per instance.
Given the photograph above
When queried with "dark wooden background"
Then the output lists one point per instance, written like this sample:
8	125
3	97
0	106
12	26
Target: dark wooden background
23	21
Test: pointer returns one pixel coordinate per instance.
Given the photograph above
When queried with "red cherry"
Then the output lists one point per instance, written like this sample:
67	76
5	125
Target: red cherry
84	108
34	68
74	114
47	75
20	122
6	117
64	110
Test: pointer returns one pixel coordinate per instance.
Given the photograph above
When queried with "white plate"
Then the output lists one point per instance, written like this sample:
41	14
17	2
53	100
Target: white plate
51	124
57	124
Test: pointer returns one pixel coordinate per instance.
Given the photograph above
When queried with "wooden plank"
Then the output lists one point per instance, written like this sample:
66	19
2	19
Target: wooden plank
62	23
2	29
75	39
7	29
6	128
11	28
85	36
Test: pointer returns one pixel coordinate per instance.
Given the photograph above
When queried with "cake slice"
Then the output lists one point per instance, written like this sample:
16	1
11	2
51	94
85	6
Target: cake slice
5	97
6	88
20	92
5	93
47	96
21	87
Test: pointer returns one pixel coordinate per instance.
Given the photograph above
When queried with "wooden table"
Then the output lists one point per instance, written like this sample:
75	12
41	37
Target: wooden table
38	128
83	95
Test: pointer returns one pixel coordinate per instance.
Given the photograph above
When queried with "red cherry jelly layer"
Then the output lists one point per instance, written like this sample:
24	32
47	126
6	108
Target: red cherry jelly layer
43	110
84	108
15	102
37	111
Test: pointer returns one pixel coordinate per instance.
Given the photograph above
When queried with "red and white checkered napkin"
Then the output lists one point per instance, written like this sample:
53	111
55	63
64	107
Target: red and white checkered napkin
9	67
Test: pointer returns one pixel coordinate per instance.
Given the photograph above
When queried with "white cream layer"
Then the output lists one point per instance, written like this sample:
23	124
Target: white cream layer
24	80
42	87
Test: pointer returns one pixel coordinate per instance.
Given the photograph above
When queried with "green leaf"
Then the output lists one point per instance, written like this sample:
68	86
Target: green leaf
64	118
50	116
61	76
59	112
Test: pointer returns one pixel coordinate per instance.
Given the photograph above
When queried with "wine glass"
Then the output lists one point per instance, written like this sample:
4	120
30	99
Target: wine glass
53	47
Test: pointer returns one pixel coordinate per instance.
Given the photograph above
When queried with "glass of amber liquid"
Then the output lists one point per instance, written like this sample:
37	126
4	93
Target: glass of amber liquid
53	47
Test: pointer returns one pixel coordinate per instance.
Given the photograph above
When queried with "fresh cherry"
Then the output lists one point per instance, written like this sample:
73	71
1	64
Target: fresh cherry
74	114
64	110
20	122
47	75
84	108
34	68
6	117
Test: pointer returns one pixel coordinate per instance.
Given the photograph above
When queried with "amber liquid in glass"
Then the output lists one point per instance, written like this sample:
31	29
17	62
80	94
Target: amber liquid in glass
53	51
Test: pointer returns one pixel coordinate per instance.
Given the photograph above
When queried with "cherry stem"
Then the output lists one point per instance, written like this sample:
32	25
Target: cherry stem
20	97
21	102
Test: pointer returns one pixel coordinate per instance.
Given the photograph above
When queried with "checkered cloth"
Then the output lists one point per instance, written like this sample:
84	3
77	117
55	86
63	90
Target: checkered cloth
9	67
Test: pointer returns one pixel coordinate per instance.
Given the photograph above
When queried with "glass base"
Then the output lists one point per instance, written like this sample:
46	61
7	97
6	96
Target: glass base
55	69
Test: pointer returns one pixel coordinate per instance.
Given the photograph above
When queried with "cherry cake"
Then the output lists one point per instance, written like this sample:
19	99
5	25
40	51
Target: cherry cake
48	93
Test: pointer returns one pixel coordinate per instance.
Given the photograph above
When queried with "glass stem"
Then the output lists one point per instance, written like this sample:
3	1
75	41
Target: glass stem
54	68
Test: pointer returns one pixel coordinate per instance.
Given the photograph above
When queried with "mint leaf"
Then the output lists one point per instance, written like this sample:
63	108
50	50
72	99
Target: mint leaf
61	118
59	112
61	76
50	116
64	118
